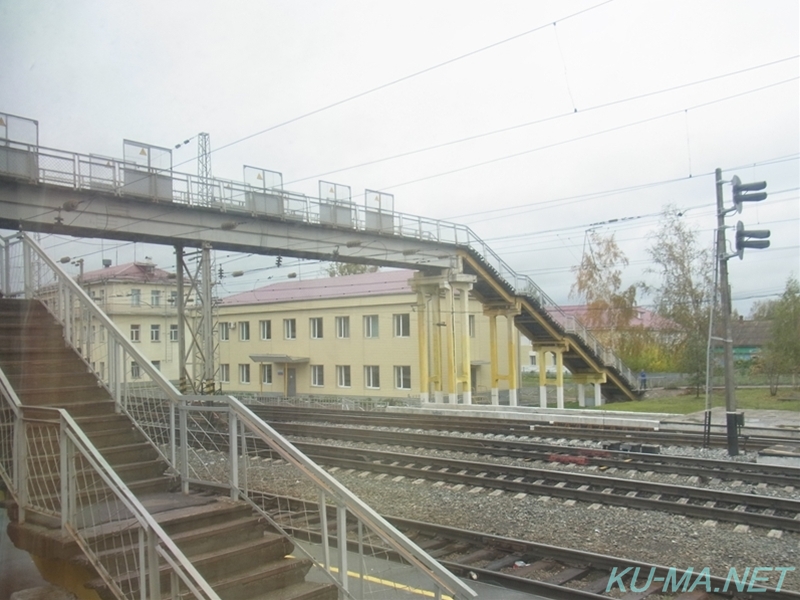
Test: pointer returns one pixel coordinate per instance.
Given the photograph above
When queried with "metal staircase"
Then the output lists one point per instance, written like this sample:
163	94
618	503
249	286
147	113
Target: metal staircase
146	493
229	545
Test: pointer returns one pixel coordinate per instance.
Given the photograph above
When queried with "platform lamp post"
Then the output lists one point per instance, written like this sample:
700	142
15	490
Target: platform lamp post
757	239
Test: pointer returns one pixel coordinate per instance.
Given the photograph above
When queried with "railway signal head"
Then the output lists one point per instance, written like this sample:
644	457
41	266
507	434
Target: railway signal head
754	238
747	192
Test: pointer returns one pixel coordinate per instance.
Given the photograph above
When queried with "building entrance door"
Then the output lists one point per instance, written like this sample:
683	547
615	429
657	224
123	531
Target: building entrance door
291	382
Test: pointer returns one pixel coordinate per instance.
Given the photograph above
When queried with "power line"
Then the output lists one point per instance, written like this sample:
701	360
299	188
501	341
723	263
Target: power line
406	77
584	137
539	121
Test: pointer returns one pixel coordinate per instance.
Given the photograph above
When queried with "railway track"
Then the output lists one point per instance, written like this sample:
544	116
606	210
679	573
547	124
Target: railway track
750	509
550	571
512	447
718	439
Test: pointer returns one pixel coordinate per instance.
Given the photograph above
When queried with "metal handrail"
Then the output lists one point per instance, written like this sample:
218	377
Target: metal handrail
70	430
405	548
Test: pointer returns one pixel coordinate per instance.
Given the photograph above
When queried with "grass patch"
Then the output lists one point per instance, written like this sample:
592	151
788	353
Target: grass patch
746	399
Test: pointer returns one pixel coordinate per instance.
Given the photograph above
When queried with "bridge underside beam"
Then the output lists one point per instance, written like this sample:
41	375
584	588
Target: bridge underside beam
51	209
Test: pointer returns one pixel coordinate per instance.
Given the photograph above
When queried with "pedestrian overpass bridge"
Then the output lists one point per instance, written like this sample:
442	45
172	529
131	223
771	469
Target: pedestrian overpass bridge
141	198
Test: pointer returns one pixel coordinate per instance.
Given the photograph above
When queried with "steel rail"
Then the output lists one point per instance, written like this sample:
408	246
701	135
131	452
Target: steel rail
513	448
717	505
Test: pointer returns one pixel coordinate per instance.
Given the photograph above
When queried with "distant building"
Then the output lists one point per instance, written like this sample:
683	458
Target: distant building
354	335
749	338
140	299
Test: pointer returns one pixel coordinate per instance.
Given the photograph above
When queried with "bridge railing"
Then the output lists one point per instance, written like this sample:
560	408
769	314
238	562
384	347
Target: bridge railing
124	178
202	442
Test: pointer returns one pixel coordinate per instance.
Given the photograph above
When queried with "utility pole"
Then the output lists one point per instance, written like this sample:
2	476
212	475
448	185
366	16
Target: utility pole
725	293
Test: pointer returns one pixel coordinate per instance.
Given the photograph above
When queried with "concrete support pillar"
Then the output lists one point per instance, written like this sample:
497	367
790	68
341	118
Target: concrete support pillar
443	363
581	395
437	348
466	368
598	398
542	359
513	362
450	332
559	379
423	341
493	358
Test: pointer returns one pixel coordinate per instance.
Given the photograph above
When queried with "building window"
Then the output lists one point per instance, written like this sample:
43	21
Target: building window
155	333
155	298
266	374
244	330
136	333
372	377
173	333
266	329
342	327
225	373
290	329
224	331
371	326
317	375
402	378
315	327
343	376
156	364
402	325
472	326
173	298
136	373
136	297
244	373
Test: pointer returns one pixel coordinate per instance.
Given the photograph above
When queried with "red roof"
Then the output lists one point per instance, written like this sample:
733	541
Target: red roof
131	272
379	283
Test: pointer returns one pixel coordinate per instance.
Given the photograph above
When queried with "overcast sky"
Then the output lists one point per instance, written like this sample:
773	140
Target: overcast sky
643	99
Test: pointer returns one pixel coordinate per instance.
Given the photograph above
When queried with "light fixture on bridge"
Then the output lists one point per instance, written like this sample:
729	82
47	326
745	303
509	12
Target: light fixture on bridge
228	225
353	243
64	260
237	273
410	251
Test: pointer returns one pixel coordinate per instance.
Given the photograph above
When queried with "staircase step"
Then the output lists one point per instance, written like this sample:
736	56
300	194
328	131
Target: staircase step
205	539
308	590
63	396
258	582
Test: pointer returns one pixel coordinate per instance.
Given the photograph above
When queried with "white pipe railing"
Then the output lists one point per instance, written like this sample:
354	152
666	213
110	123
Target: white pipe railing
88	172
54	470
153	403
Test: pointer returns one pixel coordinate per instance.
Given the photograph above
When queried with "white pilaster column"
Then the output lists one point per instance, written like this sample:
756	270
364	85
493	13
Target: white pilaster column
598	398
560	379
581	395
